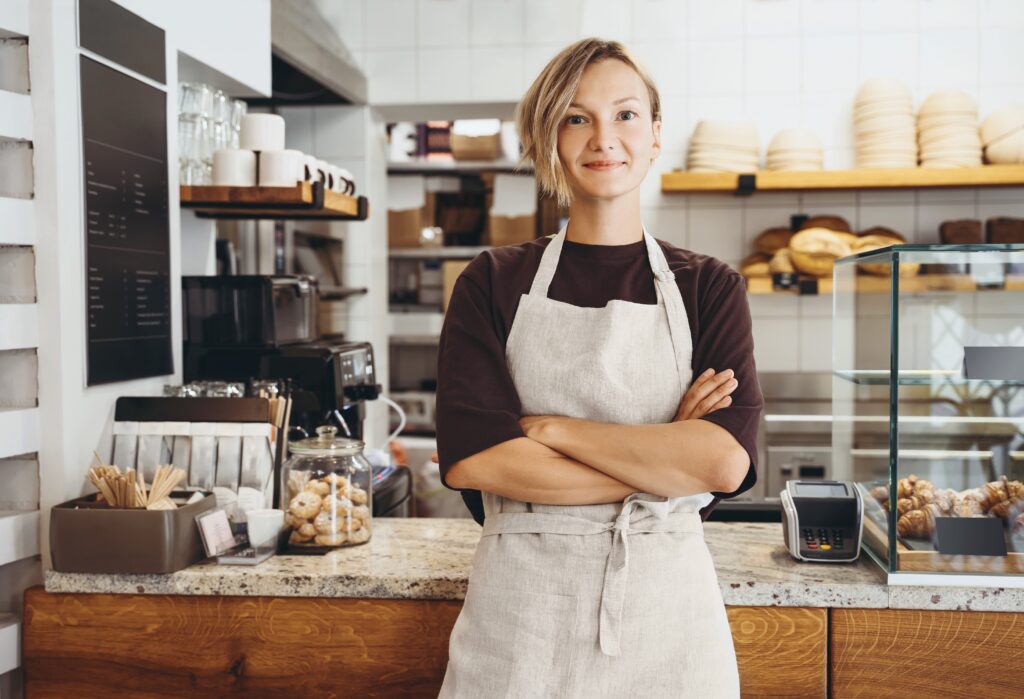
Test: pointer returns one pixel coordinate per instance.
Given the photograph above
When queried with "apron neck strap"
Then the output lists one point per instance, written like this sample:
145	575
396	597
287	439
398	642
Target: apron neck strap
665	287
553	252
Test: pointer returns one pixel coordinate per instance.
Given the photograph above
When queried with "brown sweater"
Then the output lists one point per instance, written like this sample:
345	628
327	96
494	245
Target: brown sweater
477	404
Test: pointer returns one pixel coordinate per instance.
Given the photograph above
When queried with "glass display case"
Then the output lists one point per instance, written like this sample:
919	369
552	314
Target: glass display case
928	407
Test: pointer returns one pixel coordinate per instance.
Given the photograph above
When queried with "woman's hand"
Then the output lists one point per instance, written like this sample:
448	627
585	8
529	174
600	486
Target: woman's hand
708	393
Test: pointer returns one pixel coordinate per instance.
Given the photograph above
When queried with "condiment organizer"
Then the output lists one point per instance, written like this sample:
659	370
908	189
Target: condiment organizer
226	445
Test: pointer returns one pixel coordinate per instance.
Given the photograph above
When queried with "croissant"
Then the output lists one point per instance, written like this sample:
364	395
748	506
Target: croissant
918	523
881	493
914	502
1002	495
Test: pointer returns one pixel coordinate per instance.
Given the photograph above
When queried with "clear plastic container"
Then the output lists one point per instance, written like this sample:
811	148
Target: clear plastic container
326	493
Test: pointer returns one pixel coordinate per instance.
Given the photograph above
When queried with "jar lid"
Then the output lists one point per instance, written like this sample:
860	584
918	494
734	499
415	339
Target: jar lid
327	443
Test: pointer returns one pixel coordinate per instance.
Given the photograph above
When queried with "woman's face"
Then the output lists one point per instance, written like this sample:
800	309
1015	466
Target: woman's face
607	140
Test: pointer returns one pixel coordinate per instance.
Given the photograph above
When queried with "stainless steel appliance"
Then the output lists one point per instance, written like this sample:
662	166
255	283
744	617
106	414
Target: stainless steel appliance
250	310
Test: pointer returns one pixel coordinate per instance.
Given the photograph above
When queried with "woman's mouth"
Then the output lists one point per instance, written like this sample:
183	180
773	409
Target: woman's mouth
604	165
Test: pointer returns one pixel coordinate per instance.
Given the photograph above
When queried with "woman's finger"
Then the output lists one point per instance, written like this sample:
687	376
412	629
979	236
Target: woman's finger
699	392
718	394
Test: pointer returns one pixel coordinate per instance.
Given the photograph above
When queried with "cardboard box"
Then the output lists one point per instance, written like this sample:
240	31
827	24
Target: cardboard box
450	271
404	228
511	230
475	147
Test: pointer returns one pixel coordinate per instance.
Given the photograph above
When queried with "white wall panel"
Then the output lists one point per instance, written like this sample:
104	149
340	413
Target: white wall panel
10	643
15	115
17	221
19	326
19	432
19	535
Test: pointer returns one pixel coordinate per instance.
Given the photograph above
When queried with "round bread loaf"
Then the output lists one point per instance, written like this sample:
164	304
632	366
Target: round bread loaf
756	265
882	269
772	240
815	250
882	231
833	223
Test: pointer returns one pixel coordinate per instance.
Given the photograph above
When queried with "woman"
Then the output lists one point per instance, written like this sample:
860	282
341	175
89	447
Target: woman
565	397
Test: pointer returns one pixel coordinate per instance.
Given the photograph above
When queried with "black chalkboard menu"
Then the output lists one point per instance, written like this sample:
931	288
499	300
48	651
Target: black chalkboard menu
127	230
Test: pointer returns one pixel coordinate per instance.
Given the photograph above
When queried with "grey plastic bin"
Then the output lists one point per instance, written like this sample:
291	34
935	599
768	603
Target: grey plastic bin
88	537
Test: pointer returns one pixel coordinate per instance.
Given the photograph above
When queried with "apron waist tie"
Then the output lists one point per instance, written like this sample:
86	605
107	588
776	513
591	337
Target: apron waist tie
629	521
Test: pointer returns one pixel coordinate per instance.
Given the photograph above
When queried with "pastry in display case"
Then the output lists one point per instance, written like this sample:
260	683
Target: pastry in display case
928	407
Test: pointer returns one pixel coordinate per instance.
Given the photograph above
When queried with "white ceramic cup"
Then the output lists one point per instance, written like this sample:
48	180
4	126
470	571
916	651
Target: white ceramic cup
310	168
264	525
261	132
280	168
234	168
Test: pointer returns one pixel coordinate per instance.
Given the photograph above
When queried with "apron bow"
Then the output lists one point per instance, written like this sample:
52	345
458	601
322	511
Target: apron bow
613	594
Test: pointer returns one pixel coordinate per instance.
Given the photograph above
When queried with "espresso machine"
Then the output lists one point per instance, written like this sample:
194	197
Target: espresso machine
245	329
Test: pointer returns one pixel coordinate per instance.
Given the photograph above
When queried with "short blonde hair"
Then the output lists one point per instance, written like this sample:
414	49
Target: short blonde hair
541	110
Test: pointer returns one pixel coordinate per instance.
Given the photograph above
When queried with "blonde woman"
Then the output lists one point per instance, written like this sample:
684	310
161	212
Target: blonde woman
568	415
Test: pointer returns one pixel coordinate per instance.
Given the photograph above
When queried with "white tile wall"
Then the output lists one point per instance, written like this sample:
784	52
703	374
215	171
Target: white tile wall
777	63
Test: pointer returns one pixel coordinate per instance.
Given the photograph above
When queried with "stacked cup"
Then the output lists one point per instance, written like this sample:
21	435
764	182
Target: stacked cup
1002	134
721	146
883	123
947	130
795	149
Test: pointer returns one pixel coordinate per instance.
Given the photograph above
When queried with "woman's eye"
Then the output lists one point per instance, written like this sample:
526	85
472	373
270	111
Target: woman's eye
633	115
575	119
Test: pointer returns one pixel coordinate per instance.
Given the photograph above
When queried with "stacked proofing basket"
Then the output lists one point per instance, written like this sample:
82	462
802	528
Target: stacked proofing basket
947	130
1002	134
720	146
883	123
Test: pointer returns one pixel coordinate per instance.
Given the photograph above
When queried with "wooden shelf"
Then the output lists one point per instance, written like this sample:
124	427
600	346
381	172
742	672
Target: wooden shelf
340	293
876	284
303	201
424	166
453	252
896	178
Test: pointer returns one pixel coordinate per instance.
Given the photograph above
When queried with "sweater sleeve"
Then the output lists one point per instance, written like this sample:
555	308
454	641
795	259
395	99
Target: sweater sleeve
725	341
477	404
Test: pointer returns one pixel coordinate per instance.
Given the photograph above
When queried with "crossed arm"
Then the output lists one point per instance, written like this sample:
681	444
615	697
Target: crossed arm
565	461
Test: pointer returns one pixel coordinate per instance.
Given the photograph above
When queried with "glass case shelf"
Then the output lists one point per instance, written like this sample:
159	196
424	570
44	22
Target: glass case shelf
917	377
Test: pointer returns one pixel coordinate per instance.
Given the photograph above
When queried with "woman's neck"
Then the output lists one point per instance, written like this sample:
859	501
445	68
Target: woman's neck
605	222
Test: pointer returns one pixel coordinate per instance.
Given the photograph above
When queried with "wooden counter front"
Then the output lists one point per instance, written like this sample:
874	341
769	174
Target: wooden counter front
180	646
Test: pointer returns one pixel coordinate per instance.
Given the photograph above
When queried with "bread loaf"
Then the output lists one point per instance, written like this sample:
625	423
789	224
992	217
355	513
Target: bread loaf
781	262
883	232
876	241
833	223
756	265
1004	230
815	250
965	231
772	240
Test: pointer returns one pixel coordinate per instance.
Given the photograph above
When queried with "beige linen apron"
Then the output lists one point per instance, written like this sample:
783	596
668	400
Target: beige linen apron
593	601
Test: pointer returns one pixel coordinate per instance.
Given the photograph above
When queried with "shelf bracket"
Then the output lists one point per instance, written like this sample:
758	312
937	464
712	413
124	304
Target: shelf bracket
746	184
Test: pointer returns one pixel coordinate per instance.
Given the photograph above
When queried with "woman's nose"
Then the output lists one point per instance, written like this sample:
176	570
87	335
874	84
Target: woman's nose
602	137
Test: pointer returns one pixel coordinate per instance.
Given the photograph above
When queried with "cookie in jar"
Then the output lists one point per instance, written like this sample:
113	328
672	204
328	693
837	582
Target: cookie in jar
327	484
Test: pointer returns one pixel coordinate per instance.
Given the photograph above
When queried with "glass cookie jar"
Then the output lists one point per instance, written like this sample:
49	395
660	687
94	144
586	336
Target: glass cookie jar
326	492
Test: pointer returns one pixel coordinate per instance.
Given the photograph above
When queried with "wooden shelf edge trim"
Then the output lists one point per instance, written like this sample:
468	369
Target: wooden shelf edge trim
301	201
683	182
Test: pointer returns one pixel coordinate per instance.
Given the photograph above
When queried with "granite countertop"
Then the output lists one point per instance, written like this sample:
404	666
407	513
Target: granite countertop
431	559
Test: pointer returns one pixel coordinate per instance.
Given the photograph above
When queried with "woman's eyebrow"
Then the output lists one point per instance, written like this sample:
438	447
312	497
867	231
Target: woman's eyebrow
619	101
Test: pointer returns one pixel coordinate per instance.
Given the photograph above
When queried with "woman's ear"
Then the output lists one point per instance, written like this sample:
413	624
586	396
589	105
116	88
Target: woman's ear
657	140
